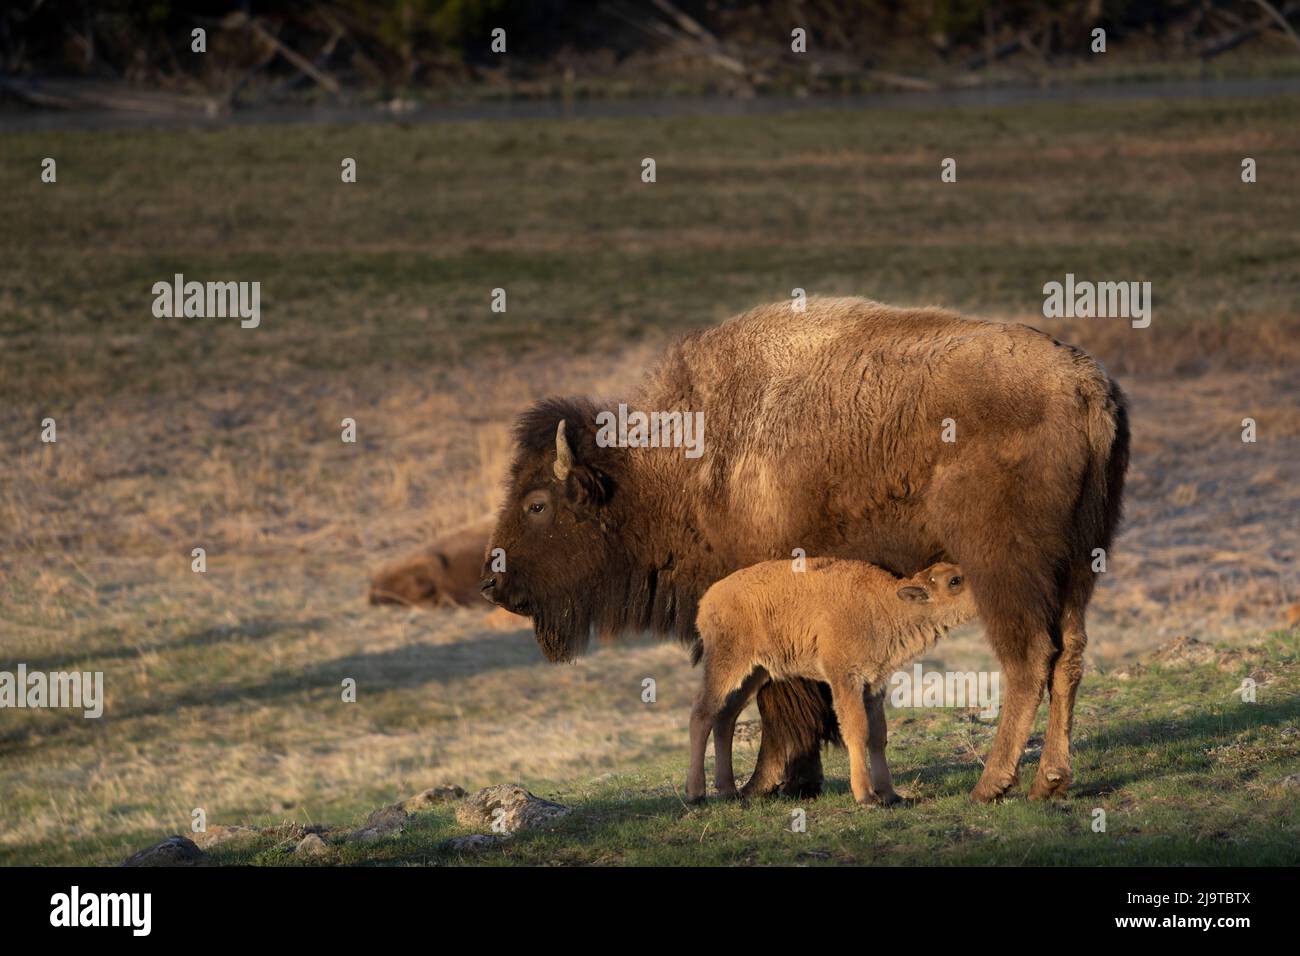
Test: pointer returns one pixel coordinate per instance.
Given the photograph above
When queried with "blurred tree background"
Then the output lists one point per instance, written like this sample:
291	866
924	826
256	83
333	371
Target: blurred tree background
271	50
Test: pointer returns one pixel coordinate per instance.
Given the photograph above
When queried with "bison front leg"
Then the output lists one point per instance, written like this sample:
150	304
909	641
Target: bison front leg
796	717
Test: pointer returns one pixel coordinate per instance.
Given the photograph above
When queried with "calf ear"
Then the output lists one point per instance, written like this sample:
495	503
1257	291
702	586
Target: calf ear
914	593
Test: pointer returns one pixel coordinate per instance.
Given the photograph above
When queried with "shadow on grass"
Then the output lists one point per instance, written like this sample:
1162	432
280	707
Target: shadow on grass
256	629
402	668
1182	740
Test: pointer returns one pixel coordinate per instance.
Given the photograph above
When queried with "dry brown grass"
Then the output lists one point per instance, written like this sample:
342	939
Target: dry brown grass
223	688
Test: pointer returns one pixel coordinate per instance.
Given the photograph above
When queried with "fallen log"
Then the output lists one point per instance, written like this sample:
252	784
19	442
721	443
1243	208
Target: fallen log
239	19
89	94
1235	39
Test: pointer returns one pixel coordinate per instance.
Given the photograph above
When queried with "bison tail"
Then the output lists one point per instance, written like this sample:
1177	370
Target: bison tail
1101	507
1101	497
697	651
1116	466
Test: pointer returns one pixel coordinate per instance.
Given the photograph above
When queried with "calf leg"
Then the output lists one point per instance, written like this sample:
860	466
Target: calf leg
852	714
724	729
702	720
877	738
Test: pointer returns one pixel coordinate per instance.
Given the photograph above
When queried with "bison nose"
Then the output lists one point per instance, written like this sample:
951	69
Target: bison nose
490	583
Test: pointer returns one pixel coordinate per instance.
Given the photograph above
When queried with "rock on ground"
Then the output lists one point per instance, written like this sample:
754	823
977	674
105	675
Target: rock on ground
427	799
384	822
474	843
311	845
390	820
1188	651
507	808
173	851
218	835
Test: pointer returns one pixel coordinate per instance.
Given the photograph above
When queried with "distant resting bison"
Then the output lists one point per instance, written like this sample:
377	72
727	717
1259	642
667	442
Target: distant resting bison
824	431
444	574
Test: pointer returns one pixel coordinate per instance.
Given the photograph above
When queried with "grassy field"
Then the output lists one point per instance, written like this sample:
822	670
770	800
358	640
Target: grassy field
1184	772
393	273
223	688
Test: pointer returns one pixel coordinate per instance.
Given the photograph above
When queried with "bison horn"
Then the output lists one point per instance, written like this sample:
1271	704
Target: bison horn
563	454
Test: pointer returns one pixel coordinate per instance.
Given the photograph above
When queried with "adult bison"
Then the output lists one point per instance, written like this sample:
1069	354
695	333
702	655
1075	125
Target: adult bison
831	431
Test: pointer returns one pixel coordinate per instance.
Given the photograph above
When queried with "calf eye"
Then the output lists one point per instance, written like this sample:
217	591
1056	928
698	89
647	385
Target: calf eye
955	583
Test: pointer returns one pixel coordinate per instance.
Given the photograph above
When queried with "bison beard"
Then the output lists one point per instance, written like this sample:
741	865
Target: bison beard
824	435
797	718
562	633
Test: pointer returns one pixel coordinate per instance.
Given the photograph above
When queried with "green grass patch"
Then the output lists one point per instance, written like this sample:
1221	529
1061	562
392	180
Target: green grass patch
396	270
1183	771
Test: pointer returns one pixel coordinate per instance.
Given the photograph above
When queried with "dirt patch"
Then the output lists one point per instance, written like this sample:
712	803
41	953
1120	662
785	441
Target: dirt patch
1206	549
1184	652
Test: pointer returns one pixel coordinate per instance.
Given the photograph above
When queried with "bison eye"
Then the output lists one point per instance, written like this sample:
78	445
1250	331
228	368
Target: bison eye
536	508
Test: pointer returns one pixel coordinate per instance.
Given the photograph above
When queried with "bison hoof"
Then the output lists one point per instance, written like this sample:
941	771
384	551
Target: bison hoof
873	798
802	789
757	788
1049	783
992	788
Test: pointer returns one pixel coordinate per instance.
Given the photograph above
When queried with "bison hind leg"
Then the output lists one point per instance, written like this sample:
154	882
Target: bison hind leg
1054	767
1017	586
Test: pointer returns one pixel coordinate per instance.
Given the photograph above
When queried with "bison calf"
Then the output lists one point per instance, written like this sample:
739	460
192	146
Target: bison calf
444	574
766	623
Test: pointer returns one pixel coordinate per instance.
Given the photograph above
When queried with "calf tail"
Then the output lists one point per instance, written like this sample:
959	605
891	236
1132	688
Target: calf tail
697	651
